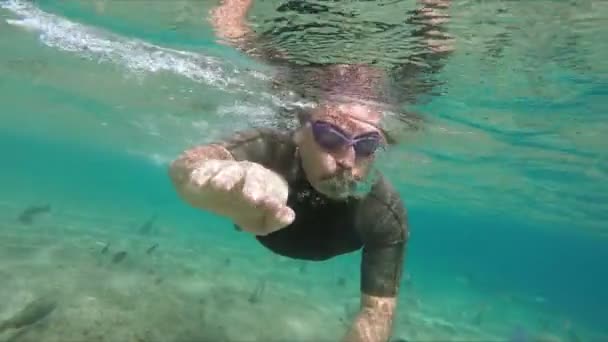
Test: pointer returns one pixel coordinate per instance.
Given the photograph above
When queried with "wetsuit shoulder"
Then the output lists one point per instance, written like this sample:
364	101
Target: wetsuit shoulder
383	227
271	148
383	216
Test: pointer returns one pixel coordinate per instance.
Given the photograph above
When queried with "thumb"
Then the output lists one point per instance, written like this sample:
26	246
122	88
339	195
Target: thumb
279	217
284	216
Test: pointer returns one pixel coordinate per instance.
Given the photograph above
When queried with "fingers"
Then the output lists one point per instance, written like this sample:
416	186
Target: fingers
218	175
285	216
279	218
228	178
254	187
275	216
268	193
201	175
253	196
270	216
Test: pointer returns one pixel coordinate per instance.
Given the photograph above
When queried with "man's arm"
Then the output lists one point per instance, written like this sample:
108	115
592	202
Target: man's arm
381	276
415	78
431	17
384	231
228	20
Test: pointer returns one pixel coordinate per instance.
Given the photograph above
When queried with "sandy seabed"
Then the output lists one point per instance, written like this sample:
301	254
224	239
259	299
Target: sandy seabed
115	280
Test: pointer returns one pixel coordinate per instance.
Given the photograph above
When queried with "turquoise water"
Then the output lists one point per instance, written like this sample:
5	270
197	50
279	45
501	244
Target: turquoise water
506	185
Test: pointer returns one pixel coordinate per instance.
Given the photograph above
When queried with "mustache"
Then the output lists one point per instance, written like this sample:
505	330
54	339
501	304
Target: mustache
341	176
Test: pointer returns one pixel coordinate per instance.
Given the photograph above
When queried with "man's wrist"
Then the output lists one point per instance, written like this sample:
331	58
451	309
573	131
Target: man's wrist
369	326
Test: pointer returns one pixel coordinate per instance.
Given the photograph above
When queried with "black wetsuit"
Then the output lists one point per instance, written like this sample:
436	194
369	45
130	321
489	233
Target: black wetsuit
323	227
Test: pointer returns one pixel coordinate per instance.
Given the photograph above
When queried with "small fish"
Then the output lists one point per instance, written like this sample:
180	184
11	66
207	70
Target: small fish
151	248
256	295
32	313
478	318
147	227
105	248
573	336
119	256
519	334
27	216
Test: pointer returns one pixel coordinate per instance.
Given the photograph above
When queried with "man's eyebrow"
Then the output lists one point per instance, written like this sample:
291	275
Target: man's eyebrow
369	122
389	138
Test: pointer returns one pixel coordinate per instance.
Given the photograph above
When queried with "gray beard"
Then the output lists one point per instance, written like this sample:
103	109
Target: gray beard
344	186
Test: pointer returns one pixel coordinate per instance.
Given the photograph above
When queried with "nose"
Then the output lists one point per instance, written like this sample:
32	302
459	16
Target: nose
346	158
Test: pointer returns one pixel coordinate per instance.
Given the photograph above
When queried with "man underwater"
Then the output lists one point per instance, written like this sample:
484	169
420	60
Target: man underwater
311	192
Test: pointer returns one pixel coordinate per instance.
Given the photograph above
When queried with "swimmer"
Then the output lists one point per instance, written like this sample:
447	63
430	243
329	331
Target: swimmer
311	192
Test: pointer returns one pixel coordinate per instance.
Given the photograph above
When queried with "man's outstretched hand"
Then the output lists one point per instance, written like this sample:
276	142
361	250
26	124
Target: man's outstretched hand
254	197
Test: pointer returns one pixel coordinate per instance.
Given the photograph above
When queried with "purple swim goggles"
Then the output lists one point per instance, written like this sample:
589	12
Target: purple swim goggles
332	137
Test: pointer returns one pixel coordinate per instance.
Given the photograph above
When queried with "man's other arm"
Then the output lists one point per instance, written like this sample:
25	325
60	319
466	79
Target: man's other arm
385	234
416	77
229	21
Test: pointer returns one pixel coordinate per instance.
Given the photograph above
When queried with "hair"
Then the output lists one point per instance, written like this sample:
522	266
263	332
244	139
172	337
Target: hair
351	83
355	82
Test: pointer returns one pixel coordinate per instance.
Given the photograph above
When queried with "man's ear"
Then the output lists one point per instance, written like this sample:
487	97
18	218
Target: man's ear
298	135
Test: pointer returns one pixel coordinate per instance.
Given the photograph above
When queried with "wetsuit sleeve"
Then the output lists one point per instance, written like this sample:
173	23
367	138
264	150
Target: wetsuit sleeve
270	148
384	231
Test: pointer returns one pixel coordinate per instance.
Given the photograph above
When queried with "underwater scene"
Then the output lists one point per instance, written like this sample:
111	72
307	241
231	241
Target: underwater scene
498	111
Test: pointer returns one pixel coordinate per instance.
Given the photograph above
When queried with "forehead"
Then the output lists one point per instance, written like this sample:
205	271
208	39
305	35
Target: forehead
354	118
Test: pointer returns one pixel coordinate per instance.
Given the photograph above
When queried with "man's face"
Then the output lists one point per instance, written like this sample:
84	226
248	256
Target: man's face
333	165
